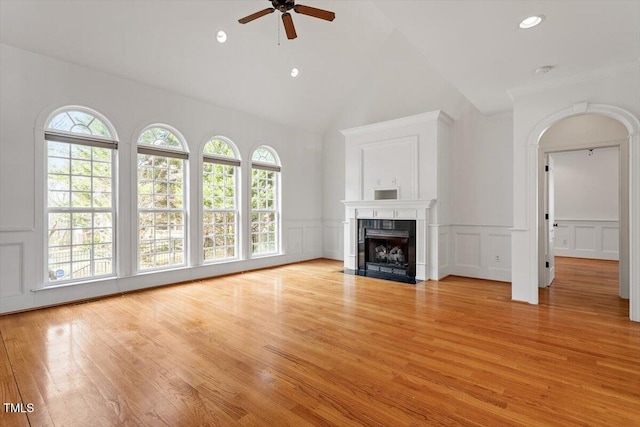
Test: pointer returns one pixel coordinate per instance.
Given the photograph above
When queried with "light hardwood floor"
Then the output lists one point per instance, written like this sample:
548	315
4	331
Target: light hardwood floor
307	345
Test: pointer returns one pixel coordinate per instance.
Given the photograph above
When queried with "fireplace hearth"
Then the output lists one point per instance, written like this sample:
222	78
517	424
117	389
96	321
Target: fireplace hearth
387	249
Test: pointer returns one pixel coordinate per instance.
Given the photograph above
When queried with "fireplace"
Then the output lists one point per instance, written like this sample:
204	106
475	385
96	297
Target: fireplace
387	249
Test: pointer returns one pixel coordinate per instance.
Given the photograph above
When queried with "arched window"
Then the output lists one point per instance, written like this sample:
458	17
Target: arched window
161	199
81	151
220	174
265	202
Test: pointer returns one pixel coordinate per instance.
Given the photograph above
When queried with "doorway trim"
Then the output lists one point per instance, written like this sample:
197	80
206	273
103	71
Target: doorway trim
629	249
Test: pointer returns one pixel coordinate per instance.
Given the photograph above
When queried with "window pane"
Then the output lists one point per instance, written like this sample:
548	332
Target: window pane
59	199
59	166
81	200
81	167
58	149
59	182
101	169
81	152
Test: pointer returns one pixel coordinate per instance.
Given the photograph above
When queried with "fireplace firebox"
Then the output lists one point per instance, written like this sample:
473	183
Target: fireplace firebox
387	249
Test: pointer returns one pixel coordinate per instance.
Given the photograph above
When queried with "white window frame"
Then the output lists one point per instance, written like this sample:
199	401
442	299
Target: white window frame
277	169
169	153
234	162
88	140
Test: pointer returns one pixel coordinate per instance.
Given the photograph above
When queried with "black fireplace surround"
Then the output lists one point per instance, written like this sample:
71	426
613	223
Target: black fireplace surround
387	249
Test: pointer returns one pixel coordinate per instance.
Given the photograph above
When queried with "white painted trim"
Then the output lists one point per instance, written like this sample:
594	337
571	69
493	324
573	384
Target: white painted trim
416	119
20	246
16	229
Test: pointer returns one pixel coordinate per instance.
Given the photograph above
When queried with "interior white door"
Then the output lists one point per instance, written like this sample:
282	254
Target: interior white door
550	222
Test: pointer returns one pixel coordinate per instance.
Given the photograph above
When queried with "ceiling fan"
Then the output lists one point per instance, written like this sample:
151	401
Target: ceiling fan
285	6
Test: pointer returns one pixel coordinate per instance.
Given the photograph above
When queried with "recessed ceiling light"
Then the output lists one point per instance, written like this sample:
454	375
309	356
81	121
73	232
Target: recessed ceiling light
295	72
531	21
222	36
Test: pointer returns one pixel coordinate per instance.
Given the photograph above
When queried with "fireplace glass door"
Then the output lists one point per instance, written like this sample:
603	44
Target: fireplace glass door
386	249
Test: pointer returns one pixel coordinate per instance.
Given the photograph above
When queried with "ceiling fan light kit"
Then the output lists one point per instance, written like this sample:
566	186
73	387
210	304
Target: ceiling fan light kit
284	6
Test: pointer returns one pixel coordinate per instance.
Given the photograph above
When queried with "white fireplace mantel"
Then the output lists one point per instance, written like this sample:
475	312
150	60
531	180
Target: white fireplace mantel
388	209
417	210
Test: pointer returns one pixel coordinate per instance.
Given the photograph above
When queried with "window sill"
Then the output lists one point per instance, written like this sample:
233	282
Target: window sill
275	254
71	284
219	262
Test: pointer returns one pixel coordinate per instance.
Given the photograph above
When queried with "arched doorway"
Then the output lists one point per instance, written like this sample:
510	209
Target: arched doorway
588	218
630	171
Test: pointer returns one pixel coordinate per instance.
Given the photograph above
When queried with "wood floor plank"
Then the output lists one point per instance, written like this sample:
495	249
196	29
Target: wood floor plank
9	393
305	344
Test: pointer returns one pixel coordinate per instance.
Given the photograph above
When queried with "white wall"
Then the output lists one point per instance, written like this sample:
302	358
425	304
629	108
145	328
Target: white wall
586	184
482	169
33	85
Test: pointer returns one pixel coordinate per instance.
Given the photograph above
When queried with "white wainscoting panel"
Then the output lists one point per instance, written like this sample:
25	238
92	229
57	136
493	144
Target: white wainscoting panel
467	249
585	238
444	251
611	240
12	267
313	239
333	239
481	251
294	240
303	239
596	239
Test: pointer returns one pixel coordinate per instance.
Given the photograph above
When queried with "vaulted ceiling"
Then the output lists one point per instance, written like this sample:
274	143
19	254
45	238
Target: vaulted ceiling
475	46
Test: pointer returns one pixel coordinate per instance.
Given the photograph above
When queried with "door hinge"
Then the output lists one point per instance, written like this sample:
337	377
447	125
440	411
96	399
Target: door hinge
546	264
546	216
546	168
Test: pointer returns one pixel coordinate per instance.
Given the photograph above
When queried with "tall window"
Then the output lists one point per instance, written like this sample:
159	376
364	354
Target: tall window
265	204
161	199
220	201
80	196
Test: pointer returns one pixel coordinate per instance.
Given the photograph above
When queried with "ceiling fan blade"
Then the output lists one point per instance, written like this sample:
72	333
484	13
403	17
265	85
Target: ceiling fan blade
315	12
288	26
256	15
